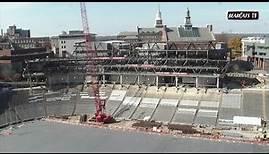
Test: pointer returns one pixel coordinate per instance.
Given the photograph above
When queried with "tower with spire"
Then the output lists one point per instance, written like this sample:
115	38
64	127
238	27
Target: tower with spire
158	19
188	25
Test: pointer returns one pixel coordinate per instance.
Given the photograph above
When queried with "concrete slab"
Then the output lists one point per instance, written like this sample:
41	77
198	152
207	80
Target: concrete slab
127	107
149	102
164	113
165	110
186	110
189	102
132	90
210	96
168	102
206	117
146	108
112	106
253	103
184	116
85	106
211	104
173	94
117	95
42	136
231	101
210	121
207	113
228	113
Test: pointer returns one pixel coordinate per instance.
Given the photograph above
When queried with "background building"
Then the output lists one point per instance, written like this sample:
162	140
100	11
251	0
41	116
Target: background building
256	49
31	42
63	45
13	32
161	33
128	36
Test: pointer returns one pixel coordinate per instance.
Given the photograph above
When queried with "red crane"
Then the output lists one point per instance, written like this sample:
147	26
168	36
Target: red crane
91	69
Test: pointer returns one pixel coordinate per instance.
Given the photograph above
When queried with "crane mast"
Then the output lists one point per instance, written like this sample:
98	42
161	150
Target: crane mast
91	69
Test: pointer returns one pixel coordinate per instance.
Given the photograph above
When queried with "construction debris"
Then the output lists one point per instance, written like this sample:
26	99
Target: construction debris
147	124
186	129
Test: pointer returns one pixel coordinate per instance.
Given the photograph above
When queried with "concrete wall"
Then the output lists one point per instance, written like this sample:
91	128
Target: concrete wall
18	106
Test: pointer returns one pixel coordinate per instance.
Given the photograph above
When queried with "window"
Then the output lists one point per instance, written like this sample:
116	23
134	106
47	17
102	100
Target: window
64	53
262	54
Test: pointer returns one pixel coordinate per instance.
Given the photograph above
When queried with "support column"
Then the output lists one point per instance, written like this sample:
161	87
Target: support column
217	82
263	64
259	63
176	81
120	79
256	62
157	81
196	82
104	79
138	79
68	80
30	82
257	59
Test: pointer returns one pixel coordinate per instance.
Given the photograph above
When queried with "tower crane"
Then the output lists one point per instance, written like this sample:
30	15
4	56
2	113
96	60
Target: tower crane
91	69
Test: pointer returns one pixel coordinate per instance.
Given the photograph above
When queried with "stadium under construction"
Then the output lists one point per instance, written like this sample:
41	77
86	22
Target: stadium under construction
167	80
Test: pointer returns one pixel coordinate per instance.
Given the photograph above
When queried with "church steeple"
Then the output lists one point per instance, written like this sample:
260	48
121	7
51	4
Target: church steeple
158	19
188	25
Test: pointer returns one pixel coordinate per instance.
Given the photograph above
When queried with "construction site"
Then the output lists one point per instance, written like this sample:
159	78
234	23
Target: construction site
186	89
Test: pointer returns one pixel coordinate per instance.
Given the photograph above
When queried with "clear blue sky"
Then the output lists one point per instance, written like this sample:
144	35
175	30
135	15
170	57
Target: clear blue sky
48	19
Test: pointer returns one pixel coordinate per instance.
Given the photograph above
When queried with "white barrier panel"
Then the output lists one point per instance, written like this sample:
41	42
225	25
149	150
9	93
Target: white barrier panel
149	102
84	94
117	95
131	101
92	97
189	102
247	120
186	111
209	104
207	113
169	102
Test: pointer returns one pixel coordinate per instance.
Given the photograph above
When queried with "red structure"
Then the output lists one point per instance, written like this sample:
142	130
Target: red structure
92	69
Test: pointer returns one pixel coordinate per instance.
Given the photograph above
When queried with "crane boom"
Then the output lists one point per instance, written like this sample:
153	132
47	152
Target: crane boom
91	68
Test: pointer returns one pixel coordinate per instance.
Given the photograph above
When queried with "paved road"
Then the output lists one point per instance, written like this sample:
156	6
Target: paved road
41	136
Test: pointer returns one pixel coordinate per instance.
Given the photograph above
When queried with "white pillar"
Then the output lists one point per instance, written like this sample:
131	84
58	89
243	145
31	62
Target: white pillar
176	80
217	82
138	79
104	79
121	79
157	81
196	82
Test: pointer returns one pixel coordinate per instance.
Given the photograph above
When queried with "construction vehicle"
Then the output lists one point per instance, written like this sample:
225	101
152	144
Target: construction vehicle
91	69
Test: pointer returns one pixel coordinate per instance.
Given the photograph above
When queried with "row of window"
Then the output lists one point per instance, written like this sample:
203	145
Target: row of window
63	46
27	45
62	42
28	41
263	47
262	54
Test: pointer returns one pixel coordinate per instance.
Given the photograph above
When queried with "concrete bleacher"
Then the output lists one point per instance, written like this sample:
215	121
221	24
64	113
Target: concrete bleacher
164	104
